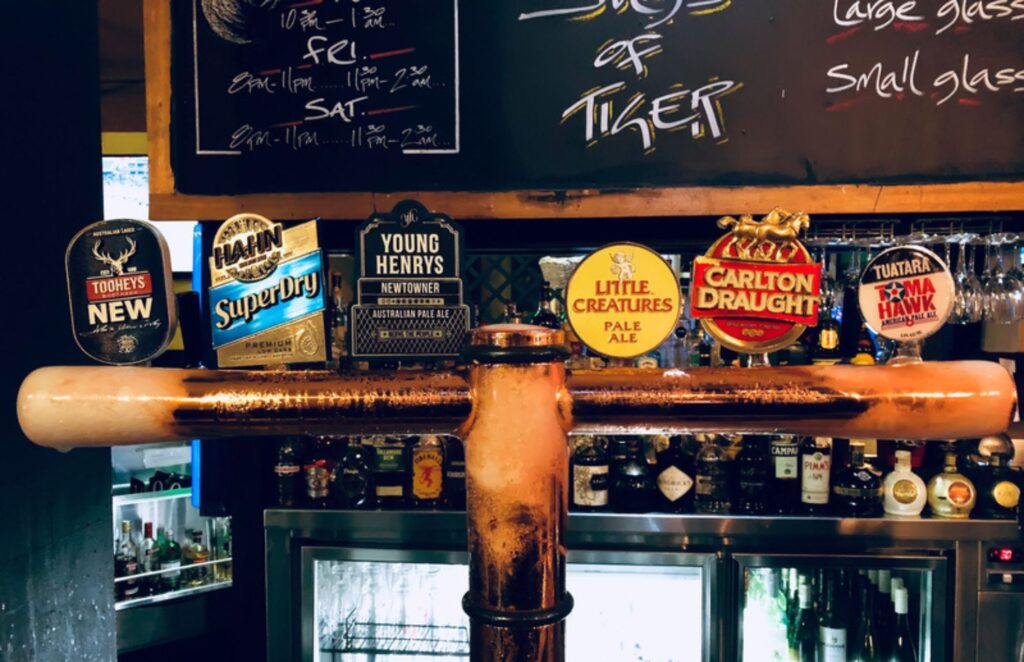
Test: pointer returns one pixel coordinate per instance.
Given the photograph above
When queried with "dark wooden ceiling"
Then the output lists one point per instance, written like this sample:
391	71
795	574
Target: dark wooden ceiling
122	66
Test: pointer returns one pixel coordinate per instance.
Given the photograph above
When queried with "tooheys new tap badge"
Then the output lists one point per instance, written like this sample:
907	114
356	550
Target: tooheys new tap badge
120	291
906	293
267	297
757	288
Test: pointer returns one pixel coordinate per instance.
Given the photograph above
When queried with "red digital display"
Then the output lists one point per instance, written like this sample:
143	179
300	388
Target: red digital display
1006	555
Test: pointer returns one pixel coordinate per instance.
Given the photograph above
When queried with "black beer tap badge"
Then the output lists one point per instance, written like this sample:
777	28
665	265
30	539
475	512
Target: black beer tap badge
409	295
120	292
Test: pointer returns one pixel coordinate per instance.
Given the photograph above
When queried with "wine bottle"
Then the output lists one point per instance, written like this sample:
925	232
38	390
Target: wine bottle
832	625
807	627
904	646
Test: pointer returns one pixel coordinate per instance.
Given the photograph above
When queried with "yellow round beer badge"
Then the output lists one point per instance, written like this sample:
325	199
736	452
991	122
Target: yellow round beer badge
623	300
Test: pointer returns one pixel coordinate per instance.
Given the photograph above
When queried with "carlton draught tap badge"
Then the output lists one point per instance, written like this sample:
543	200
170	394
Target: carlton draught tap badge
120	291
623	300
757	288
906	293
267	296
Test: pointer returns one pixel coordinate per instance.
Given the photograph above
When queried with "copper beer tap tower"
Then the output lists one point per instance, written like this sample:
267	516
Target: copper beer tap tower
514	406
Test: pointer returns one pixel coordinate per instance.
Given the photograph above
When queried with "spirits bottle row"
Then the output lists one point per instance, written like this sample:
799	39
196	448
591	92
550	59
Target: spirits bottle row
427	472
784	475
835	615
163	561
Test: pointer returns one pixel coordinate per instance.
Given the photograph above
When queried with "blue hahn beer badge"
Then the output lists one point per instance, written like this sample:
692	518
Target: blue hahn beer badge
409	293
267	297
906	293
120	290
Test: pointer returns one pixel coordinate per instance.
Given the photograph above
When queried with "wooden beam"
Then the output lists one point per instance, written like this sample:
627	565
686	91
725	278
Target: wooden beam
167	204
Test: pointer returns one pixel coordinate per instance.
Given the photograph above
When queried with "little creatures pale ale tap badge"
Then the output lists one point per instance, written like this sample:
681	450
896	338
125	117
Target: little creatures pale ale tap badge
267	297
906	293
623	300
757	288
123	309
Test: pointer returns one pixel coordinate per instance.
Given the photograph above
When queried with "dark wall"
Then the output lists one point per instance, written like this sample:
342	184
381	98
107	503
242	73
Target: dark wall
56	564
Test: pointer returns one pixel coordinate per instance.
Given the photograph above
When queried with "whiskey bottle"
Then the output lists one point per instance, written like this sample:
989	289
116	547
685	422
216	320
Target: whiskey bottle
351	483
753	468
455	474
675	478
317	472
858	489
784	494
427	475
590	479
950	493
389	471
998	490
126	563
905	492
547	309
195	552
815	474
826	347
288	473
632	489
712	493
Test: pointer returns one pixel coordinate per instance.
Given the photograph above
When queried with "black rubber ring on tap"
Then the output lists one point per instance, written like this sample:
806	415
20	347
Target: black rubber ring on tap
523	618
516	355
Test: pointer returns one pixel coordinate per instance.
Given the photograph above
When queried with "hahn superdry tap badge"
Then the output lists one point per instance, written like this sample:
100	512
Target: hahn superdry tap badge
906	293
757	288
623	300
267	298
120	291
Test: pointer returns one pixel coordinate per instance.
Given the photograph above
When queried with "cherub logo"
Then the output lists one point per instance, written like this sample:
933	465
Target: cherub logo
622	265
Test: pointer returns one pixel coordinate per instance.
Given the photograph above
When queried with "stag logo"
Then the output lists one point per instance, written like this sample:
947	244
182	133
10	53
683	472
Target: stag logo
116	264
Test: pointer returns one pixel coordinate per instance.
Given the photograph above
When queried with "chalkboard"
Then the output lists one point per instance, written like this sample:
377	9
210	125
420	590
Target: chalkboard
450	95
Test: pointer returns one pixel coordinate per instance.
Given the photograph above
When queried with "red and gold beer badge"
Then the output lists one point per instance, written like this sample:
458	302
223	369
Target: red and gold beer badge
623	300
758	287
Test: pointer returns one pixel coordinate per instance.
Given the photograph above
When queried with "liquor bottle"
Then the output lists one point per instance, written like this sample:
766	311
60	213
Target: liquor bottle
785	475
455	474
674	478
950	493
149	560
590	481
220	547
317	472
904	645
865	354
857	491
806	628
339	322
195	552
512	315
712	479
170	559
389	470
704	349
126	563
815	472
905	492
427	484
547	309
288	473
632	489
351	482
998	490
753	468
826	346
832	624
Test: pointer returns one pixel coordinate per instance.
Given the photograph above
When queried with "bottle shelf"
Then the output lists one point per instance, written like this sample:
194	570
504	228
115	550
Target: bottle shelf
170	595
151	497
183	568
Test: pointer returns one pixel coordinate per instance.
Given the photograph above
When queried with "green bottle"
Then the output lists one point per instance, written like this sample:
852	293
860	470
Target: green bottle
170	560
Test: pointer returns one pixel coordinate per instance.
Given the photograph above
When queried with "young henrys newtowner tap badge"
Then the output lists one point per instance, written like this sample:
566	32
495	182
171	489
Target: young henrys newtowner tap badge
267	297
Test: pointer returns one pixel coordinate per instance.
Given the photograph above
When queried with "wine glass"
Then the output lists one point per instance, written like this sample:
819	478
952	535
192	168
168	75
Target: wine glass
1003	298
968	301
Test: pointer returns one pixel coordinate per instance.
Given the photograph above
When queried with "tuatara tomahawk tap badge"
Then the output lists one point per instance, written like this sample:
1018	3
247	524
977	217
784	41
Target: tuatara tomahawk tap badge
757	288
